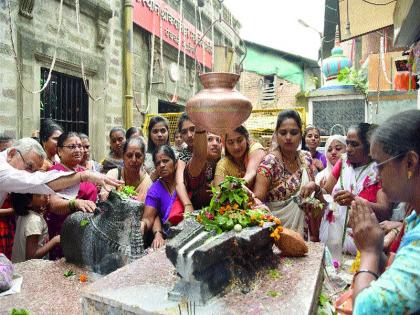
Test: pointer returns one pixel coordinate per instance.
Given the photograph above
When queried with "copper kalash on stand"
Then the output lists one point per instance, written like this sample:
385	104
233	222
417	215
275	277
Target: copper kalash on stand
219	107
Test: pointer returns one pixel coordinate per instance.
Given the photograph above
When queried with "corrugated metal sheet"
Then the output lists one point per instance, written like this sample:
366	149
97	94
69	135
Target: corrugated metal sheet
364	16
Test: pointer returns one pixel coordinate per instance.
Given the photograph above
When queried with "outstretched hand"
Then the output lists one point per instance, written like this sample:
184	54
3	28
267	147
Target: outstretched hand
100	179
368	235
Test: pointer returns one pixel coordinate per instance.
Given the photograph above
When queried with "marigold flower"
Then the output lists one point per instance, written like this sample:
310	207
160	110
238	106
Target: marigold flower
83	278
261	223
235	206
355	266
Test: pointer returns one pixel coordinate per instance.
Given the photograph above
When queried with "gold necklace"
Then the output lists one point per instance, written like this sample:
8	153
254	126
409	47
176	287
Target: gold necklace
290	165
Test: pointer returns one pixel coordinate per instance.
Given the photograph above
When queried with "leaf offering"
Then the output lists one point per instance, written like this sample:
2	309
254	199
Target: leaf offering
127	191
69	273
232	209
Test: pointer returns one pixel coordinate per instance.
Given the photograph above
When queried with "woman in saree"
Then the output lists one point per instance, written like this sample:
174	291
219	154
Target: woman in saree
160	196
70	151
133	173
396	150
354	175
242	157
284	174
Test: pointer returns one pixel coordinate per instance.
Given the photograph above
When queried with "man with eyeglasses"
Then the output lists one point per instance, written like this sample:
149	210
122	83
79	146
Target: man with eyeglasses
19	173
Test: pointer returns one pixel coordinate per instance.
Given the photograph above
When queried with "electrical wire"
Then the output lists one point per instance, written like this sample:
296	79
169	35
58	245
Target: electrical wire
82	66
181	18
373	3
18	62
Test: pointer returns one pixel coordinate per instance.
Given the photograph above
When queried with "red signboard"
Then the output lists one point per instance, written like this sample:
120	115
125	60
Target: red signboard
160	19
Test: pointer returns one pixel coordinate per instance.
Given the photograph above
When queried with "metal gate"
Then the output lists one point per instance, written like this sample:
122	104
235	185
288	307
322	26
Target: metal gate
65	100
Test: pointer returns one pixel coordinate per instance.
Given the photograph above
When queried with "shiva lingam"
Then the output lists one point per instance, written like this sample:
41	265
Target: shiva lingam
226	244
219	107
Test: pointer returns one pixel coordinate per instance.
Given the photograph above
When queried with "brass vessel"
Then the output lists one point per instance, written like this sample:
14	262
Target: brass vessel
219	107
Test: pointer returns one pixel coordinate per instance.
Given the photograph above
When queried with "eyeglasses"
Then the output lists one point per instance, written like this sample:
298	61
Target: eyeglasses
72	146
28	167
378	167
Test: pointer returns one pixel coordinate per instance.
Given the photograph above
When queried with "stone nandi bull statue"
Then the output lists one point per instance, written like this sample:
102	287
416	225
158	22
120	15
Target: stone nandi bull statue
107	239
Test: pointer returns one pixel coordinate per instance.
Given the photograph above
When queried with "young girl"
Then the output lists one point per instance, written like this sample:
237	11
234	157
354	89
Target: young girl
31	237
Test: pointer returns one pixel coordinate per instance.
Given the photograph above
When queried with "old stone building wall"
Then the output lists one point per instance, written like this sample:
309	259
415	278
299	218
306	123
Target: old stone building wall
100	46
251	85
34	34
163	88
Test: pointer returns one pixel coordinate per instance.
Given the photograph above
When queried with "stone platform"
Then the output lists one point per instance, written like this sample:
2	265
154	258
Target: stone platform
291	287
45	290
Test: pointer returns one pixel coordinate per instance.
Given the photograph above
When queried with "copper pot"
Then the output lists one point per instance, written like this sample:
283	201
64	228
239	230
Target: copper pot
219	107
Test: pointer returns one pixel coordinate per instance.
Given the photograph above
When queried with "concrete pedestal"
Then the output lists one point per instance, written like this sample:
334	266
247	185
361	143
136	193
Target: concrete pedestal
336	105
291	287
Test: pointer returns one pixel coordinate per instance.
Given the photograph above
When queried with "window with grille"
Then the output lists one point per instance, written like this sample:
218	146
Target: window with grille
268	89
65	100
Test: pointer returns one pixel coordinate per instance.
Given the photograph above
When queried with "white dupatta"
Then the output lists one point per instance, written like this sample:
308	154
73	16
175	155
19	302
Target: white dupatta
288	211
353	180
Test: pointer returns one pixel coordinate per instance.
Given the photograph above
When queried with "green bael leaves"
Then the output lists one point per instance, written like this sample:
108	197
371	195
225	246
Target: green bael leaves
230	207
127	191
69	273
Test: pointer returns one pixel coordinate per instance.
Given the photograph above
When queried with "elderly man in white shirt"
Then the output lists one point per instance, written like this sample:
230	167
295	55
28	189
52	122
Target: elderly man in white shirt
19	167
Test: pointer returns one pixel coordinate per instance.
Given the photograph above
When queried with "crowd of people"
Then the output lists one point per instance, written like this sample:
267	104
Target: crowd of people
367	181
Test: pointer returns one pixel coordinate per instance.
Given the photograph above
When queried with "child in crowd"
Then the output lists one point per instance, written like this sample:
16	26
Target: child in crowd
31	237
179	143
